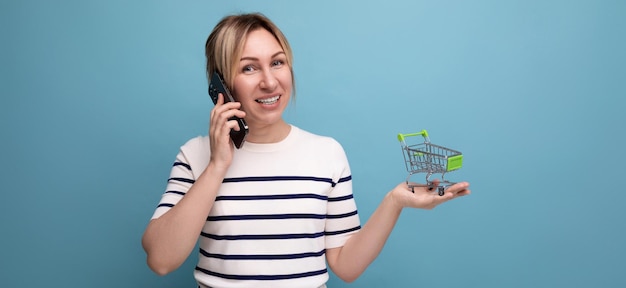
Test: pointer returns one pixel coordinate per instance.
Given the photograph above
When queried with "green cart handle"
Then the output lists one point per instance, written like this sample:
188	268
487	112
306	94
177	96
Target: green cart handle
422	133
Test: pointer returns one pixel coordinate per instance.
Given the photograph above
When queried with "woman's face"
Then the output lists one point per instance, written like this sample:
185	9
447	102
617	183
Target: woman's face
263	80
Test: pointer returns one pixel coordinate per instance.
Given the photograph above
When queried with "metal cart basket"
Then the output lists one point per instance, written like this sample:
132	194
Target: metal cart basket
429	158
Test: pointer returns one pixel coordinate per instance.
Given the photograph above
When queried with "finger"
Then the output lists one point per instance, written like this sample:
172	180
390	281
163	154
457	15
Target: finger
233	124
464	192
219	108
222	113
459	189
218	103
220	126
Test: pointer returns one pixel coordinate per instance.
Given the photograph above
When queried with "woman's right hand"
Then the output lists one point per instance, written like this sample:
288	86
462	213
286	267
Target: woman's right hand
222	147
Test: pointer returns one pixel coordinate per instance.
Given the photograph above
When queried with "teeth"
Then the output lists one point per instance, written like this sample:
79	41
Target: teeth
271	100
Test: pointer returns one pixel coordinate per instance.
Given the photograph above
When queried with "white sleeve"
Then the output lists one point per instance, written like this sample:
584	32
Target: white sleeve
342	217
180	180
190	162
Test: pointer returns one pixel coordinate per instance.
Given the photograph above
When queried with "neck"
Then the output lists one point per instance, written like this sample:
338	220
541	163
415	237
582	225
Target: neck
272	133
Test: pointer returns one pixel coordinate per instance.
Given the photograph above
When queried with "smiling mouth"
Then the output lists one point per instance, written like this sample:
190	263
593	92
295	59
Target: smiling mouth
268	101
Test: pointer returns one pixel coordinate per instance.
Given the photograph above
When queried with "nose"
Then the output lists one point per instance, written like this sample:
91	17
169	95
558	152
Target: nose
268	81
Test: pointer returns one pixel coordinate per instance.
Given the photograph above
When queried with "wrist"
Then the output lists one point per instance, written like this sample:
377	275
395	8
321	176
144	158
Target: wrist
394	200
215	170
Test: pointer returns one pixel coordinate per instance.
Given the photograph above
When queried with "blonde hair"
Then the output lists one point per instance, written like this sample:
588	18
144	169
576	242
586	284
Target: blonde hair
224	45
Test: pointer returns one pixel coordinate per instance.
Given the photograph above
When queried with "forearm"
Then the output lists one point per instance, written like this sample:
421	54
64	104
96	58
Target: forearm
363	247
169	239
349	261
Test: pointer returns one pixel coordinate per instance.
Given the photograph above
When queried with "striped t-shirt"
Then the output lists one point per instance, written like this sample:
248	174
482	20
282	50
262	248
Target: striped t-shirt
279	208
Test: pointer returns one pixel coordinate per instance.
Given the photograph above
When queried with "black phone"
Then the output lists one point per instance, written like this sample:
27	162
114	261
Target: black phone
217	86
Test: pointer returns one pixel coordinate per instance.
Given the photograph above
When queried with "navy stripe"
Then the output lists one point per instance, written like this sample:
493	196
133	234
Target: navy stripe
165	205
182	164
337	216
330	233
345	179
267	217
262	277
271	197
262	257
182	180
263	237
335	199
279	178
176	192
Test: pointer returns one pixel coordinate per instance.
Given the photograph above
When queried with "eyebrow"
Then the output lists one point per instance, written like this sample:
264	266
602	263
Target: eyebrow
257	59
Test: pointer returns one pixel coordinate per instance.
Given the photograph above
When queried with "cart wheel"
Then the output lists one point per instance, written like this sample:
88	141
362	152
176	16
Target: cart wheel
441	190
411	186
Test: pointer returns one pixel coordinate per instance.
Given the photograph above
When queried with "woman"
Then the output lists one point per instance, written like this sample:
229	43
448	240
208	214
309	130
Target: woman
274	212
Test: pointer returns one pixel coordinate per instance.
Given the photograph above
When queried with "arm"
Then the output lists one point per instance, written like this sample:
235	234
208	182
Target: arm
169	239
350	261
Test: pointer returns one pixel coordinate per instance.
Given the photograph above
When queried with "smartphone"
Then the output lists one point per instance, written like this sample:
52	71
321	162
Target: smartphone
217	86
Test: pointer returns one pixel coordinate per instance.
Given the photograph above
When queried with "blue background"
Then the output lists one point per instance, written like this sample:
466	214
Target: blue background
97	96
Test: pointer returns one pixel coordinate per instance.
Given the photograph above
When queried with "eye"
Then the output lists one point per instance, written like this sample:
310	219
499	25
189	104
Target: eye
278	63
248	69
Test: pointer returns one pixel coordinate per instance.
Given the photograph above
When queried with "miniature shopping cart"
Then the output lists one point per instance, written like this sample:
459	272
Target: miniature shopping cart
430	159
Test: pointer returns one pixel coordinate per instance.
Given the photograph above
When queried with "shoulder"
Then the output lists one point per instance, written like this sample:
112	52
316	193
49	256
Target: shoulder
316	139
197	152
324	144
324	152
196	144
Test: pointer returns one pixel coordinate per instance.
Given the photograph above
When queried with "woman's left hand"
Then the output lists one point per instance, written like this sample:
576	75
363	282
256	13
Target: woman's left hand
425	198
